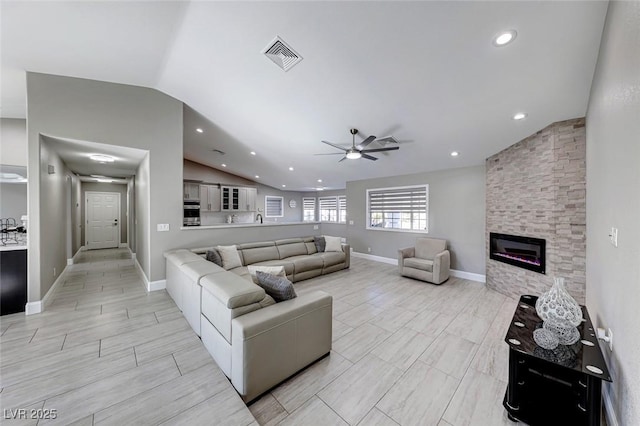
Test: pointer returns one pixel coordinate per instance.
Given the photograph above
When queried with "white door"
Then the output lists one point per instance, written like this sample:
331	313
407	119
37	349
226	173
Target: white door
102	220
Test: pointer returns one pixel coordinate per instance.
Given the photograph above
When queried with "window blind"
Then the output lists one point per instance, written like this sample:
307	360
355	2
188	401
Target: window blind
308	209
399	208
273	206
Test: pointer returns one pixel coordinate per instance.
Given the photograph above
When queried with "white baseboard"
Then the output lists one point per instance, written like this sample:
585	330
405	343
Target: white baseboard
609	412
33	308
454	273
149	285
468	276
381	259
39	306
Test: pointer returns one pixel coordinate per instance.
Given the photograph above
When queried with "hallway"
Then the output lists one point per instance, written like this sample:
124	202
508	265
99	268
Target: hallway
107	352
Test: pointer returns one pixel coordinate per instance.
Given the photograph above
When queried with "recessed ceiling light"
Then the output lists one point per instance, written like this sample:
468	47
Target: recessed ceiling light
520	116
319	188
252	153
290	169
504	38
101	158
223	165
257	177
320	180
454	153
199	130
284	186
104	180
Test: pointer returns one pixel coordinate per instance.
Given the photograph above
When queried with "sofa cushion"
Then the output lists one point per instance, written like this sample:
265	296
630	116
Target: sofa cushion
197	270
288	265
231	290
331	258
306	263
428	248
291	247
182	256
279	288
230	257
422	264
333	243
214	256
258	252
273	270
320	244
243	272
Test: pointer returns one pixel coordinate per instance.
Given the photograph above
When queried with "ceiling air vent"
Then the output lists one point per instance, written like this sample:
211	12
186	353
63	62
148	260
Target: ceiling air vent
282	54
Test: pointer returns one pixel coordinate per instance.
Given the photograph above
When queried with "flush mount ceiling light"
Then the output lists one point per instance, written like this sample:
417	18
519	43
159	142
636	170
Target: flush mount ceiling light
101	158
504	38
520	116
454	153
199	130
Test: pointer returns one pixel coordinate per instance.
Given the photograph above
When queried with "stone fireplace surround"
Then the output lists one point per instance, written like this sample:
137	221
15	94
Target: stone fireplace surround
537	188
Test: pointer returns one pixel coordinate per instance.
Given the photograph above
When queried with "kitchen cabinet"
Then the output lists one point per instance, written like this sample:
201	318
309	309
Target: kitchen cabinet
209	198
191	191
234	199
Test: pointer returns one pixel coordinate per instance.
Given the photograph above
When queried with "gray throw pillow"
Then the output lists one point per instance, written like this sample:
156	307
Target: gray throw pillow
279	288
214	256
320	244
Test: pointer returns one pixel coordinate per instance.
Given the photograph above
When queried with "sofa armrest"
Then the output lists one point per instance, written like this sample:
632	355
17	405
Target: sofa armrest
441	266
232	290
271	344
403	254
346	248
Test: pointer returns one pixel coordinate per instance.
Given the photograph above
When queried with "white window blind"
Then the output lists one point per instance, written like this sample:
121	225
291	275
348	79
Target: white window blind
308	209
328	209
273	206
342	209
403	209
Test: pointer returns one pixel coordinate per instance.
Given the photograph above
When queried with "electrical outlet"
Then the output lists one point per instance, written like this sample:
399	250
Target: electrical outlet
54	272
163	227
315	227
613	237
368	249
350	222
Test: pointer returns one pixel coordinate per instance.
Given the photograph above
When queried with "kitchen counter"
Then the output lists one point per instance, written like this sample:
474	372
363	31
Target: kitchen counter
245	225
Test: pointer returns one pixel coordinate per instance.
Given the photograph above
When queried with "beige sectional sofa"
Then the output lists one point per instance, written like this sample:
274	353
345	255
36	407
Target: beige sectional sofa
256	342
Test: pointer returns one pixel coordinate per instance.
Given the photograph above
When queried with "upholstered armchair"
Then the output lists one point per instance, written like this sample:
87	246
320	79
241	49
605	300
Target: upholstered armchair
428	261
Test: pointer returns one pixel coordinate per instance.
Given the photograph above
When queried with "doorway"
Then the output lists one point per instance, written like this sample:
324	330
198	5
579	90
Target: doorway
102	220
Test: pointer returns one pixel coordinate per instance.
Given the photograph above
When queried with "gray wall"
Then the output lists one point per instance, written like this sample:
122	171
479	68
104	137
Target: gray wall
143	213
13	200
115	114
13	149
206	174
106	187
613	200
456	213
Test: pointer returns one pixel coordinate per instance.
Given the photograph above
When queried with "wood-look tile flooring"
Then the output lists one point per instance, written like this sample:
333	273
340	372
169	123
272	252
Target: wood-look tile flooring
404	352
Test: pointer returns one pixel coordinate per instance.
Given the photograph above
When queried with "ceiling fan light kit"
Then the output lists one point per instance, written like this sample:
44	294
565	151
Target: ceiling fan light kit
358	151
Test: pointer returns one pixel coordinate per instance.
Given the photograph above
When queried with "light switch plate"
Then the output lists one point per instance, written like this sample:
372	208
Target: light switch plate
613	236
163	227
315	227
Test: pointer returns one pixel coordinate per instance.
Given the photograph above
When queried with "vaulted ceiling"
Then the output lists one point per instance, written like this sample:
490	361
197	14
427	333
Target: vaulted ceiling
425	72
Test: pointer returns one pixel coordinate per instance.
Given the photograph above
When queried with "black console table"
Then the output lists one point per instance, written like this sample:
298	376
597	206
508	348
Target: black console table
553	387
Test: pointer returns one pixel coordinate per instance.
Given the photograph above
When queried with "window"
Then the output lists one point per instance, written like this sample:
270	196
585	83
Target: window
328	209
342	209
333	209
398	209
308	209
273	206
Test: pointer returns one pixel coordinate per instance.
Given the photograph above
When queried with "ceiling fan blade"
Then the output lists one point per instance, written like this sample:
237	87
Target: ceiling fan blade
342	159
365	142
387	139
368	157
331	153
334	145
391	148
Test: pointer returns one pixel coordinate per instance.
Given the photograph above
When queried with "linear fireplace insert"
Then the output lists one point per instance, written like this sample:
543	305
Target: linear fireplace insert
525	252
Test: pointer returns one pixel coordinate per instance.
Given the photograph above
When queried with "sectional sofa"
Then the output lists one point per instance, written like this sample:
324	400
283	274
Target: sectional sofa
256	342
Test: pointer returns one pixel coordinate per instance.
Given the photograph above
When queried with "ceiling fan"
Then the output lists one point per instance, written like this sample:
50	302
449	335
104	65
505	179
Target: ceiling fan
359	151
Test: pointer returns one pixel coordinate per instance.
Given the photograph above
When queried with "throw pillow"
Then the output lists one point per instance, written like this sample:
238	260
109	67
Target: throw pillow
279	288
333	243
230	257
214	256
273	270
320	243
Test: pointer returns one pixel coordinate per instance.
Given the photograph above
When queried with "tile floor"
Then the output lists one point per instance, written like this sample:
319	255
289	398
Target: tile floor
404	352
